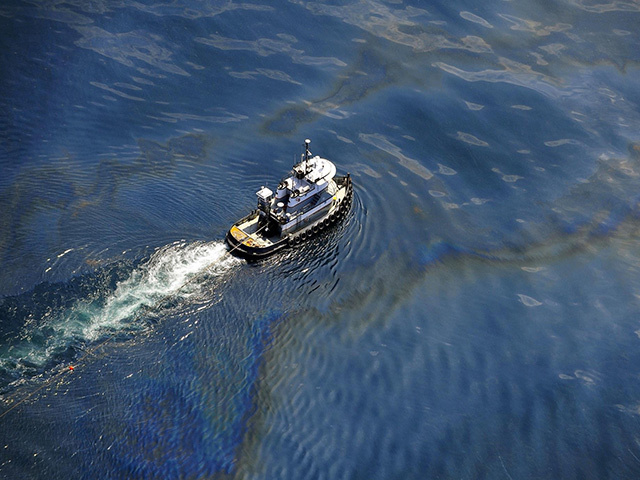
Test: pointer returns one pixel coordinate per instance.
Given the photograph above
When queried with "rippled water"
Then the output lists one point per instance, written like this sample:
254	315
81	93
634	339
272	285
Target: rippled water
475	316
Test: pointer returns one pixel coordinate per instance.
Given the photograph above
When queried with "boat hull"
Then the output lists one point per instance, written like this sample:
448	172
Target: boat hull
254	246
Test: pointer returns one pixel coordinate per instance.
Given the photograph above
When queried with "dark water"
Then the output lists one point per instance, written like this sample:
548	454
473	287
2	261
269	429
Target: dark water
476	315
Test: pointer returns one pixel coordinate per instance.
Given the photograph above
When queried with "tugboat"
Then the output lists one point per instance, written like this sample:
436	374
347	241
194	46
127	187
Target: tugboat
310	200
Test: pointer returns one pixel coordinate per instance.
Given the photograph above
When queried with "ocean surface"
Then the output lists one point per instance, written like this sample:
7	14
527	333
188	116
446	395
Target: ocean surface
476	316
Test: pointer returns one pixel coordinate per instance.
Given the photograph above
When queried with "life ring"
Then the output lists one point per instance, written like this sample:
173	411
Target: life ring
314	229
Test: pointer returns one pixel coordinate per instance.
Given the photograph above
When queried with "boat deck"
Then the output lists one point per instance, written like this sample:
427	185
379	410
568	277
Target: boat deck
246	231
247	239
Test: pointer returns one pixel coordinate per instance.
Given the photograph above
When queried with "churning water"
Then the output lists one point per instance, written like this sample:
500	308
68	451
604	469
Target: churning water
173	274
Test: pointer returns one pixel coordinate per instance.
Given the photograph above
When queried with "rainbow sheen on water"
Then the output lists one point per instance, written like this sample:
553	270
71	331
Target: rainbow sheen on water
474	316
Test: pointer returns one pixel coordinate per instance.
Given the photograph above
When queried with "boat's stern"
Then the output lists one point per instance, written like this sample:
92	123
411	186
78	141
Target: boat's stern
246	241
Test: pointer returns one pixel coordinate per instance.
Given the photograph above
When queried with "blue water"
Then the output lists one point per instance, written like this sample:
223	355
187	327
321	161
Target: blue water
475	315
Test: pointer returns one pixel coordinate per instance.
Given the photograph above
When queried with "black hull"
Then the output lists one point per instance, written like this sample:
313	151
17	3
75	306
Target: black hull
240	249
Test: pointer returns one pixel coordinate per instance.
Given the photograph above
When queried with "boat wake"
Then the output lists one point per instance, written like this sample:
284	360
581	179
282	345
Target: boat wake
51	324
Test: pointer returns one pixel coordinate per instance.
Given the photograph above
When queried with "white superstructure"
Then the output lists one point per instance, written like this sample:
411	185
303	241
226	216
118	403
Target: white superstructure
310	200
301	197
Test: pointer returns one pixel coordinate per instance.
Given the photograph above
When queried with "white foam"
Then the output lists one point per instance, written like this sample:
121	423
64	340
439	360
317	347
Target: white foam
175	271
170	272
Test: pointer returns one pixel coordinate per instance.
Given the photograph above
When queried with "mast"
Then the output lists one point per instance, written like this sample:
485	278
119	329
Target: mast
307	154
302	169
